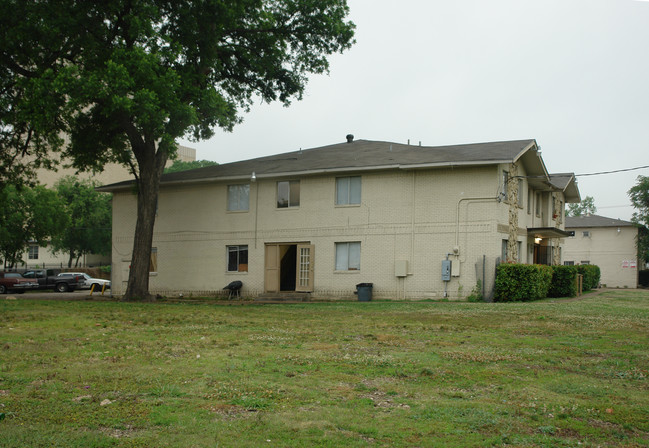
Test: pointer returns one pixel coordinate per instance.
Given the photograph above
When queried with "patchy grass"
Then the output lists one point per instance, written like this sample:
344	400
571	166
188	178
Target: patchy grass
107	374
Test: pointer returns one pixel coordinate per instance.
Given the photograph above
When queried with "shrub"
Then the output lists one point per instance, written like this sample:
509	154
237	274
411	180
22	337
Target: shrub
522	282
564	281
591	275
643	277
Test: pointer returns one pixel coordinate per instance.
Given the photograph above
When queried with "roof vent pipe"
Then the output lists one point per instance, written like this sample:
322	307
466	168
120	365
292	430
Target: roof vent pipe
350	138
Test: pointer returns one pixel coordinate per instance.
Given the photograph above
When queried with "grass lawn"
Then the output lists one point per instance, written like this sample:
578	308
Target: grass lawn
108	374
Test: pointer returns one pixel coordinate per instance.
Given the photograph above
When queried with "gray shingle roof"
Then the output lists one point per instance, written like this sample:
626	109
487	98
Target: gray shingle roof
595	221
355	156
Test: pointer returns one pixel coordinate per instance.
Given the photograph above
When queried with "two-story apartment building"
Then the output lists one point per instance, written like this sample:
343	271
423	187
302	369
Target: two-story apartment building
607	242
325	219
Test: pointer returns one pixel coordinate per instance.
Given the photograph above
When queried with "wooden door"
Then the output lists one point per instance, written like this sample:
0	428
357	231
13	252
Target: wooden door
304	271
271	277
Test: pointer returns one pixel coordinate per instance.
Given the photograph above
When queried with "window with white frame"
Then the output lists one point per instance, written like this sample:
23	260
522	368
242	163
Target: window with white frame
238	197
33	252
505	183
348	256
237	258
288	194
348	190
568	263
538	204
520	193
530	200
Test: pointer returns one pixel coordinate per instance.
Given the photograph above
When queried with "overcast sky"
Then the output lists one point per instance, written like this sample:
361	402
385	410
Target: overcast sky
572	74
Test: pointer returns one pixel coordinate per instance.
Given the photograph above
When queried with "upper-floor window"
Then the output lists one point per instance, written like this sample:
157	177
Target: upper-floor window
238	197
288	193
530	200
586	233
505	185
520	193
348	190
538	204
33	252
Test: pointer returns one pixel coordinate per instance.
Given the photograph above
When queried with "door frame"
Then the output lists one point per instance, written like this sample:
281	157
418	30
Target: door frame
304	272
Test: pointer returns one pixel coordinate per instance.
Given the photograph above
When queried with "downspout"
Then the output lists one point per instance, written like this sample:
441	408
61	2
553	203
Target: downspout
254	178
412	233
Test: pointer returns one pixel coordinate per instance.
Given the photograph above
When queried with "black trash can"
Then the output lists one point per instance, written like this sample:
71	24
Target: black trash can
364	291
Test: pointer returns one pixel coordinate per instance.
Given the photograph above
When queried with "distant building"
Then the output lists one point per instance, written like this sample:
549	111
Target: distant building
606	242
40	255
321	221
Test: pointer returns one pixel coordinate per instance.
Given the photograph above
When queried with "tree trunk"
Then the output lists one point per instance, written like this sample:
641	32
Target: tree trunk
70	259
150	166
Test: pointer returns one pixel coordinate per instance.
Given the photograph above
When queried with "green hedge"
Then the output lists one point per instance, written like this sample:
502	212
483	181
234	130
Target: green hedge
564	281
522	282
643	277
591	275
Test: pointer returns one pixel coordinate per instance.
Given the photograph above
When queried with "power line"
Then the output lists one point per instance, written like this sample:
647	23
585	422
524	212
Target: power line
611	172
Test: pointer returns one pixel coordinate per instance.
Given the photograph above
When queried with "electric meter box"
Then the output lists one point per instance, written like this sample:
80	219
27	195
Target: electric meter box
401	268
446	270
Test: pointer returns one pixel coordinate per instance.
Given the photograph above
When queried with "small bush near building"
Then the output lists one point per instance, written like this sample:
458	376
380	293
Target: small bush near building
591	275
564	281
522	282
643	277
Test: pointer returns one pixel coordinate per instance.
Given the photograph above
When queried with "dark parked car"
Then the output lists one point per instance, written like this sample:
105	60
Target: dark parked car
47	279
13	281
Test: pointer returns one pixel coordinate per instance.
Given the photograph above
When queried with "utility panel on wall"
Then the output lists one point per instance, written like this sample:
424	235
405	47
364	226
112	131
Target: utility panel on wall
455	268
401	268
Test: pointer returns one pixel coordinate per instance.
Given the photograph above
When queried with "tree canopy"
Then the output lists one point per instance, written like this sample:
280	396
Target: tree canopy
639	195
28	215
585	207
124	79
88	213
180	165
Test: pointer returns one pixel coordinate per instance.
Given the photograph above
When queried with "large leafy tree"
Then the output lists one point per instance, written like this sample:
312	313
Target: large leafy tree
124	79
28	215
585	207
639	195
89	219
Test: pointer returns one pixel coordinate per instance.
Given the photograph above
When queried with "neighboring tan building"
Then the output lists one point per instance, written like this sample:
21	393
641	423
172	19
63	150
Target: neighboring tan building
323	220
41	256
606	242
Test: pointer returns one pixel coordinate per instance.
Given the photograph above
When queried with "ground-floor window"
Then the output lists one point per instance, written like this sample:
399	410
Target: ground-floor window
568	263
348	256
153	260
33	252
237	258
585	262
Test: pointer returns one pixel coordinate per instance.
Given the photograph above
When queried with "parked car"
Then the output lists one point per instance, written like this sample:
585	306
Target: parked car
86	281
48	279
13	281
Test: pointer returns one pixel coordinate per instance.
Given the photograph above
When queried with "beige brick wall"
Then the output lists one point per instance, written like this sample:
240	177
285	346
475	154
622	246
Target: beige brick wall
418	216
614	252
